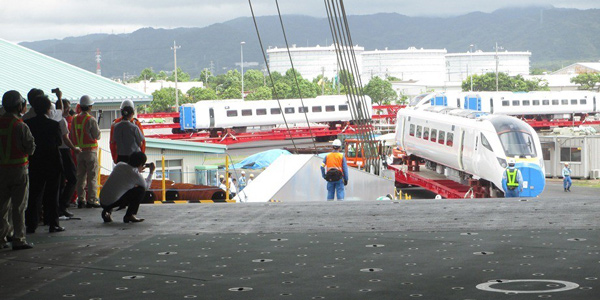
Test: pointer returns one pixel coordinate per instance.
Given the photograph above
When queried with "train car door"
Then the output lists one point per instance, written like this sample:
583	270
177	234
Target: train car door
211	116
461	149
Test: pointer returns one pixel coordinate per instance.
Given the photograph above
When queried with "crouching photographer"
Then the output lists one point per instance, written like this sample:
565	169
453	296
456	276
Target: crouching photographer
126	187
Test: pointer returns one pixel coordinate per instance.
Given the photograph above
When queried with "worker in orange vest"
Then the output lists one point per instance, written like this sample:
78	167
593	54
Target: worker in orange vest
128	116
85	135
16	144
335	170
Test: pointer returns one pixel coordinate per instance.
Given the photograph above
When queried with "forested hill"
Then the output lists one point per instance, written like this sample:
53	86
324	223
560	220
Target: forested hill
554	36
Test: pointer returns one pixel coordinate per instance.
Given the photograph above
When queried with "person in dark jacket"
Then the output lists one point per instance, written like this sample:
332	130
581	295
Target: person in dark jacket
45	167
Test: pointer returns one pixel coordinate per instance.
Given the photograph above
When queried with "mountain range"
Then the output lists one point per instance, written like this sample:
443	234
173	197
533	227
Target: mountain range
555	36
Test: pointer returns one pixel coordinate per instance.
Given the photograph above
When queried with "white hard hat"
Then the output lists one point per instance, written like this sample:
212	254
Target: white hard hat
251	175
511	161
337	143
12	99
566	164
221	176
243	172
86	101
126	103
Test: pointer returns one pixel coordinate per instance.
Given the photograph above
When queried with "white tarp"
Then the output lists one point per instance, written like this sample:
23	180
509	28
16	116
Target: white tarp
298	178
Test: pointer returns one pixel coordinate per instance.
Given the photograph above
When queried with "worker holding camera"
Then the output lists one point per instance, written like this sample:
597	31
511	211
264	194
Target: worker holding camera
85	134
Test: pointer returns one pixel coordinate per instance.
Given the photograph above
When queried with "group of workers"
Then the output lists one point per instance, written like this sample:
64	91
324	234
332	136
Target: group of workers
49	152
235	185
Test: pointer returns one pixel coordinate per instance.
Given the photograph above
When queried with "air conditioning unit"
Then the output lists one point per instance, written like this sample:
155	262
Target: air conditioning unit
595	174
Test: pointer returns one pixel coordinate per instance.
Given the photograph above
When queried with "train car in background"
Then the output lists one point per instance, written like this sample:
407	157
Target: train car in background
466	144
532	105
239	114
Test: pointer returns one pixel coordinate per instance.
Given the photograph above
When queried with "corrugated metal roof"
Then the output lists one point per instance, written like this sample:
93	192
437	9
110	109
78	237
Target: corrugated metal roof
22	69
185	146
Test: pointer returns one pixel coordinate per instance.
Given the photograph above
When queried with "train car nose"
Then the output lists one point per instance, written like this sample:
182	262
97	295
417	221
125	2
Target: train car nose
534	179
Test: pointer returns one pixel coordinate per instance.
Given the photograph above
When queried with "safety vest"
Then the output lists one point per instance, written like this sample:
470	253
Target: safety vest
113	146
511	178
335	161
82	139
10	155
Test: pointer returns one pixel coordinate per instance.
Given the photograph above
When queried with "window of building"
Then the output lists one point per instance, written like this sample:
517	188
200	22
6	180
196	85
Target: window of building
442	137
343	107
419	130
545	102
232	113
570	154
411	130
303	109
573	101
505	103
330	108
525	102
536	102
317	109
261	111
554	101
426	133
433	135
289	110
105	122
275	111
516	102
173	170
582	101
450	139
246	112
546	153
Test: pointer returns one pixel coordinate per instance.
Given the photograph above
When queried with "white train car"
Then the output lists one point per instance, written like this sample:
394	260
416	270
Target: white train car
206	115
471	144
531	105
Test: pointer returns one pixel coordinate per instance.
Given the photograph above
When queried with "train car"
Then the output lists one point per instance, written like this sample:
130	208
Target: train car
467	144
531	105
206	115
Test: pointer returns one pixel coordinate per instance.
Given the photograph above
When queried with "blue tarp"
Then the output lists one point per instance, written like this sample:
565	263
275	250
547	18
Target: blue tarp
260	160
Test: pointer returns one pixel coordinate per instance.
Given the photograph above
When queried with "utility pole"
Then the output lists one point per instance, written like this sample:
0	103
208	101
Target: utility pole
471	65
242	65
497	63
323	80
175	47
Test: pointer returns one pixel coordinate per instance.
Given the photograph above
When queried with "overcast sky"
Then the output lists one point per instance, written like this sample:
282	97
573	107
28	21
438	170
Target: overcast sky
32	20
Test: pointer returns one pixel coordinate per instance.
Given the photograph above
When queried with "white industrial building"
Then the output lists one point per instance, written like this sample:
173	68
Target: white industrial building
410	64
310	62
460	65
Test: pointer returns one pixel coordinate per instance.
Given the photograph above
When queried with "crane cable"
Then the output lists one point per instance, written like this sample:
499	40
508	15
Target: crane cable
295	77
346	59
262	49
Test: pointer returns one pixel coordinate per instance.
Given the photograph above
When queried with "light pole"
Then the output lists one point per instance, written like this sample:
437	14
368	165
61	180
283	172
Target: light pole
242	65
497	63
471	65
175	47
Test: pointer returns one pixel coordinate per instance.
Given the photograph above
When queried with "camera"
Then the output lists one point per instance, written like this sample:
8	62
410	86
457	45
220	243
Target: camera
56	90
148	165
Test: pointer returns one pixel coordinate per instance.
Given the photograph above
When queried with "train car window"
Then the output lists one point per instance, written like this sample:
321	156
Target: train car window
570	154
433	135
289	110
573	101
232	113
246	112
419	130
545	102
411	131
505	103
450	139
330	108
525	102
485	143
425	133
564	101
302	109
536	102
261	111
441	137
554	101
317	109
582	101
516	102
275	111
343	107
